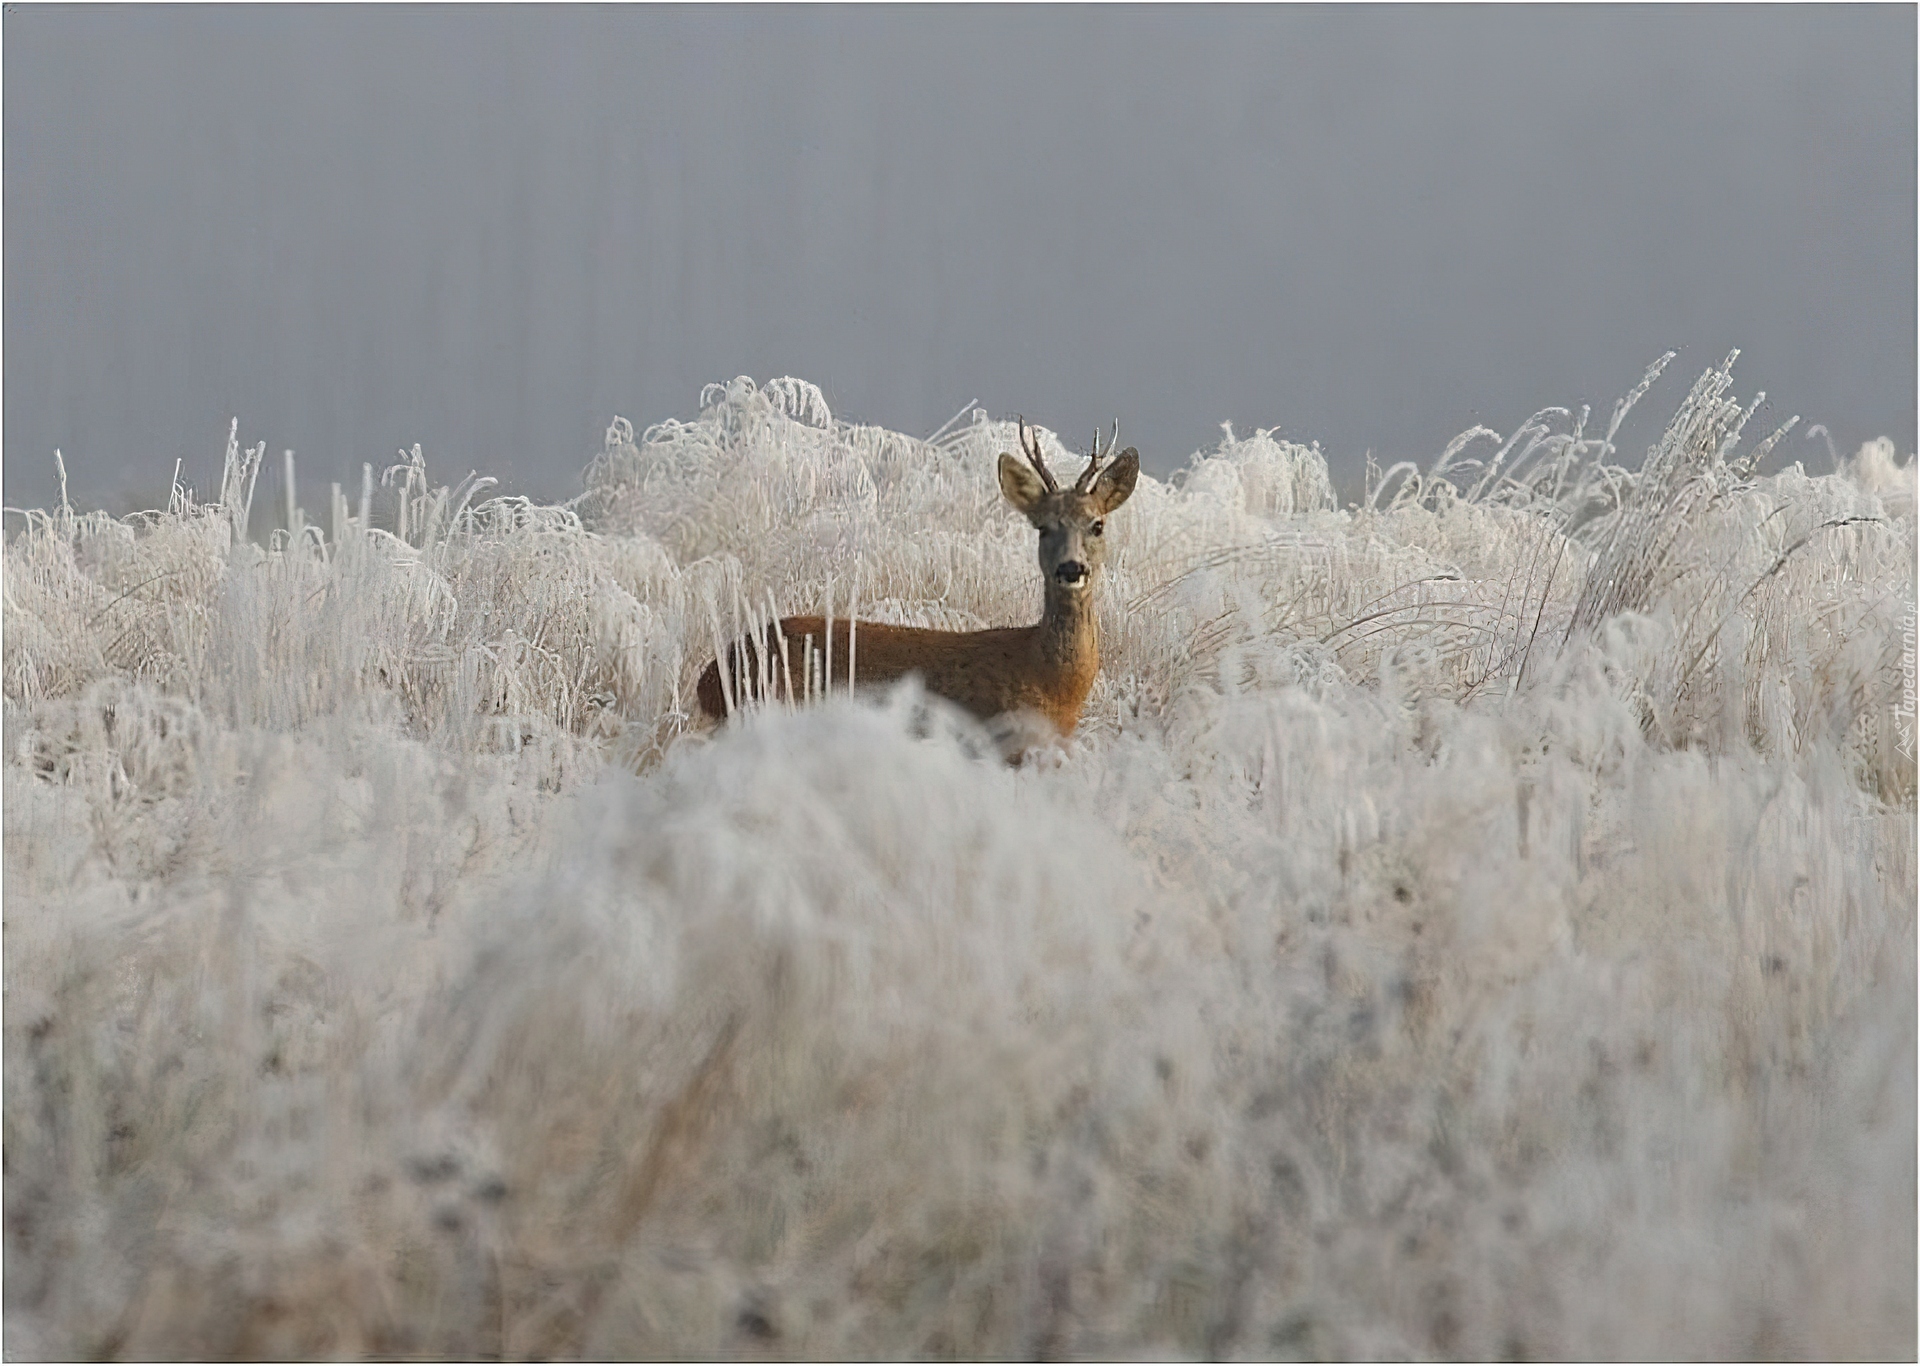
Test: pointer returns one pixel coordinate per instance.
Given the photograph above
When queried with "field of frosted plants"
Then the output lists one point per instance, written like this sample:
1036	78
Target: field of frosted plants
1476	922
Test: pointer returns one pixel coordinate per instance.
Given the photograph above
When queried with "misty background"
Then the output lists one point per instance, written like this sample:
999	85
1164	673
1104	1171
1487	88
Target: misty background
489	230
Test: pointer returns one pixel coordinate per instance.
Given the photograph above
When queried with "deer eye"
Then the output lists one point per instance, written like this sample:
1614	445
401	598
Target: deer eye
1097	529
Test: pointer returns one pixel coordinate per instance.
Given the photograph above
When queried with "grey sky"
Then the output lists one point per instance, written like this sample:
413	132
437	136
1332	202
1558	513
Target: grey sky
490	229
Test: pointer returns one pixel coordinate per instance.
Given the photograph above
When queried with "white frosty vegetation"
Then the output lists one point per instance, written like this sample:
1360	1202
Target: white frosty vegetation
1479	923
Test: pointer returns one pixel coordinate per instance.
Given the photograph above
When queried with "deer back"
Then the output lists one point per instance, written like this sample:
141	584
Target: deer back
986	673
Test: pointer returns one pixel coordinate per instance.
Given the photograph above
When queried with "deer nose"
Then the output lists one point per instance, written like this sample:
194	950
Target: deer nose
1071	573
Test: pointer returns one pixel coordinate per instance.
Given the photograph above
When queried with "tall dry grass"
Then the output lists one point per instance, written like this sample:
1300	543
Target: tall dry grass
1474	923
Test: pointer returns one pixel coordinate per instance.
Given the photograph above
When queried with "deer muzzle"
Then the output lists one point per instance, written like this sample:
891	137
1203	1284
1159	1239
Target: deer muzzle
1071	573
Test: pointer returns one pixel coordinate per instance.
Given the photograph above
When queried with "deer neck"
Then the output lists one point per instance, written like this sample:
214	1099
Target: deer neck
1068	636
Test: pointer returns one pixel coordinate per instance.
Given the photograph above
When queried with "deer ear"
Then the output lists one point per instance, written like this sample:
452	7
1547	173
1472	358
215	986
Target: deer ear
1115	483
1021	485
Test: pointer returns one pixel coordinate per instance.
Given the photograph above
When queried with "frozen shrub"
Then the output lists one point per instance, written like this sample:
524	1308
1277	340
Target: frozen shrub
1475	923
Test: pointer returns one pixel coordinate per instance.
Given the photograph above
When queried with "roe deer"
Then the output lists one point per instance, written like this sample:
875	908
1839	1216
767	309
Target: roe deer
1045	668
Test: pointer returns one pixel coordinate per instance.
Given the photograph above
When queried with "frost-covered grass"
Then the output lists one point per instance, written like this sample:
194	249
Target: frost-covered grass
1479	923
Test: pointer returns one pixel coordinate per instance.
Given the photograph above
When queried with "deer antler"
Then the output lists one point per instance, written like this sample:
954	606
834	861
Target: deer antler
1085	481
1031	447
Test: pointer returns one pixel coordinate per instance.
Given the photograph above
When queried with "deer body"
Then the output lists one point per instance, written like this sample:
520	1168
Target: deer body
1047	668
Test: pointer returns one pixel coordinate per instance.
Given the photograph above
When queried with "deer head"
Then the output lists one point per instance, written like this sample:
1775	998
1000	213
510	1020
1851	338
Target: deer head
1071	522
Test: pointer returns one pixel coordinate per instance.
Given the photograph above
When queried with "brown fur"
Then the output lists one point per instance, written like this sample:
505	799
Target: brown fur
987	673
1045	669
